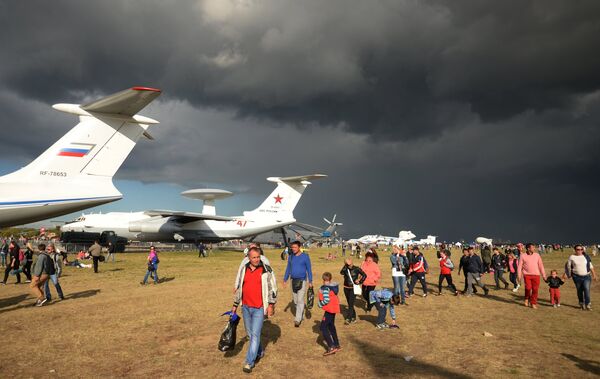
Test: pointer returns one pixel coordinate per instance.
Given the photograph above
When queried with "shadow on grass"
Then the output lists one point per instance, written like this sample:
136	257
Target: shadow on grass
369	318
270	335
82	294
384	363
584	364
317	330
113	270
237	348
12	300
75	295
165	280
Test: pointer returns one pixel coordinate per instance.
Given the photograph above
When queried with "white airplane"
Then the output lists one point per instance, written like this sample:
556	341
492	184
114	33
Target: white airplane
484	241
275	212
373	239
76	172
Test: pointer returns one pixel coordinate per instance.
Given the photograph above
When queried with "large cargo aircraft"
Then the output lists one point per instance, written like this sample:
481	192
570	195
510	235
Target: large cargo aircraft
177	226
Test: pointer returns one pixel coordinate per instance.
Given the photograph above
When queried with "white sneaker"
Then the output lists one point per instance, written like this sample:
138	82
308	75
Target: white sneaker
558	305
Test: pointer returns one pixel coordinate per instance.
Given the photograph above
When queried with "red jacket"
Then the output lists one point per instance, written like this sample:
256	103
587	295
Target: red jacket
331	303
443	269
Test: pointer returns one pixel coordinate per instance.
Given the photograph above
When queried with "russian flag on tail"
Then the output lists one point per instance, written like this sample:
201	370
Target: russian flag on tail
76	150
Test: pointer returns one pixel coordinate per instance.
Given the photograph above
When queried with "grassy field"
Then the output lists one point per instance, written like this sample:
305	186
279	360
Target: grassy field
111	326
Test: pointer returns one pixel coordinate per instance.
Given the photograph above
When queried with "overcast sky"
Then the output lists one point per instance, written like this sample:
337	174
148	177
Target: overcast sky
453	118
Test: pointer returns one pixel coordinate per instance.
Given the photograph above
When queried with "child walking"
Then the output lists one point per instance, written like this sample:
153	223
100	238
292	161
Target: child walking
329	301
555	282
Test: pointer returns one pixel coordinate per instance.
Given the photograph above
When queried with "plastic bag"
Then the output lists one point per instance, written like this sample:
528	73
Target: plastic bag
310	298
228	336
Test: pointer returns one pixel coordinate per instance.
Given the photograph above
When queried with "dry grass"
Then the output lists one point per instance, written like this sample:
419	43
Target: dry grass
110	326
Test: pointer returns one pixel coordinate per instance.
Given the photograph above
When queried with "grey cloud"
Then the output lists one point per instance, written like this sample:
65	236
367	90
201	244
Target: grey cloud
452	118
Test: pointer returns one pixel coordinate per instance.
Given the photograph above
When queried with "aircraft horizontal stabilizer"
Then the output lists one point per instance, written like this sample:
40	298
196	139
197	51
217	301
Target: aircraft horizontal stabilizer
128	102
297	179
186	217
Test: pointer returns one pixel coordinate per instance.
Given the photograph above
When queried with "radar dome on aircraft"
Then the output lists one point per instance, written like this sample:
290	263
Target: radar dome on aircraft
208	196
484	241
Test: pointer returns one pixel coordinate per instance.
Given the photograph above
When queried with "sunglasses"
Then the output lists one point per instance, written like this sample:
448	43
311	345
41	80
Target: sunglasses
579	249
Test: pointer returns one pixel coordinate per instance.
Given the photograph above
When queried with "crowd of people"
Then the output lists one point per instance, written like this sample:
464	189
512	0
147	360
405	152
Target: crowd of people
255	287
256	293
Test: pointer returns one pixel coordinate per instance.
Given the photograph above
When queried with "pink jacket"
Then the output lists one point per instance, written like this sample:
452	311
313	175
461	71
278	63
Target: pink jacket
373	273
531	265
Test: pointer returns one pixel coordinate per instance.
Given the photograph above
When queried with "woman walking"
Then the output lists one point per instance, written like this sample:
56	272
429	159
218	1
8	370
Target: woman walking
152	269
371	269
580	268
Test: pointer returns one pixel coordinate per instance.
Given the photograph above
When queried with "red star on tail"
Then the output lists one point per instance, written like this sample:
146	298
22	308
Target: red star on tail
278	199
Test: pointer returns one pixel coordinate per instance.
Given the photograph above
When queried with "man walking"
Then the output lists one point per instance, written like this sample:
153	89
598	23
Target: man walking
530	269
299	270
13	262
580	268
256	289
498	263
53	273
40	275
95	251
474	271
112	249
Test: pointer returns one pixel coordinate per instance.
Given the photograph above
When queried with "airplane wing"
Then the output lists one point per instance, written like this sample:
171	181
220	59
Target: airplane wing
308	228
186	217
128	102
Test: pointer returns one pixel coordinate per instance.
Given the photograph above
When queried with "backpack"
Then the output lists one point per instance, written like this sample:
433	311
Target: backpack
449	264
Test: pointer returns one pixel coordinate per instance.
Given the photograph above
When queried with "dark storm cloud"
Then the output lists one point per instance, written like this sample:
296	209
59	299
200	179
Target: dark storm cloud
391	69
453	118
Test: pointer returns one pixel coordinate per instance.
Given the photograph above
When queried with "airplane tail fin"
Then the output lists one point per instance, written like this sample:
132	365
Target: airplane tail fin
282	201
108	130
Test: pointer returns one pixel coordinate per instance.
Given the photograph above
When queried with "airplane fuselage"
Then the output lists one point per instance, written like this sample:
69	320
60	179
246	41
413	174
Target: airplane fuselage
138	226
22	203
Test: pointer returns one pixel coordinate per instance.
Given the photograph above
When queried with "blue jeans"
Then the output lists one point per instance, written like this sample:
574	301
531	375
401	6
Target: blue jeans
3	258
54	279
582	283
154	274
381	312
399	284
253	322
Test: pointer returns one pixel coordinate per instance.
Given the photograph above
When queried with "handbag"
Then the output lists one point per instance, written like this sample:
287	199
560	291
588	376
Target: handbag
297	284
357	288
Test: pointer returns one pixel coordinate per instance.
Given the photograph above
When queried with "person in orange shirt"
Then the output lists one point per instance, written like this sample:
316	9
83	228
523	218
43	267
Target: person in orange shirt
371	269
